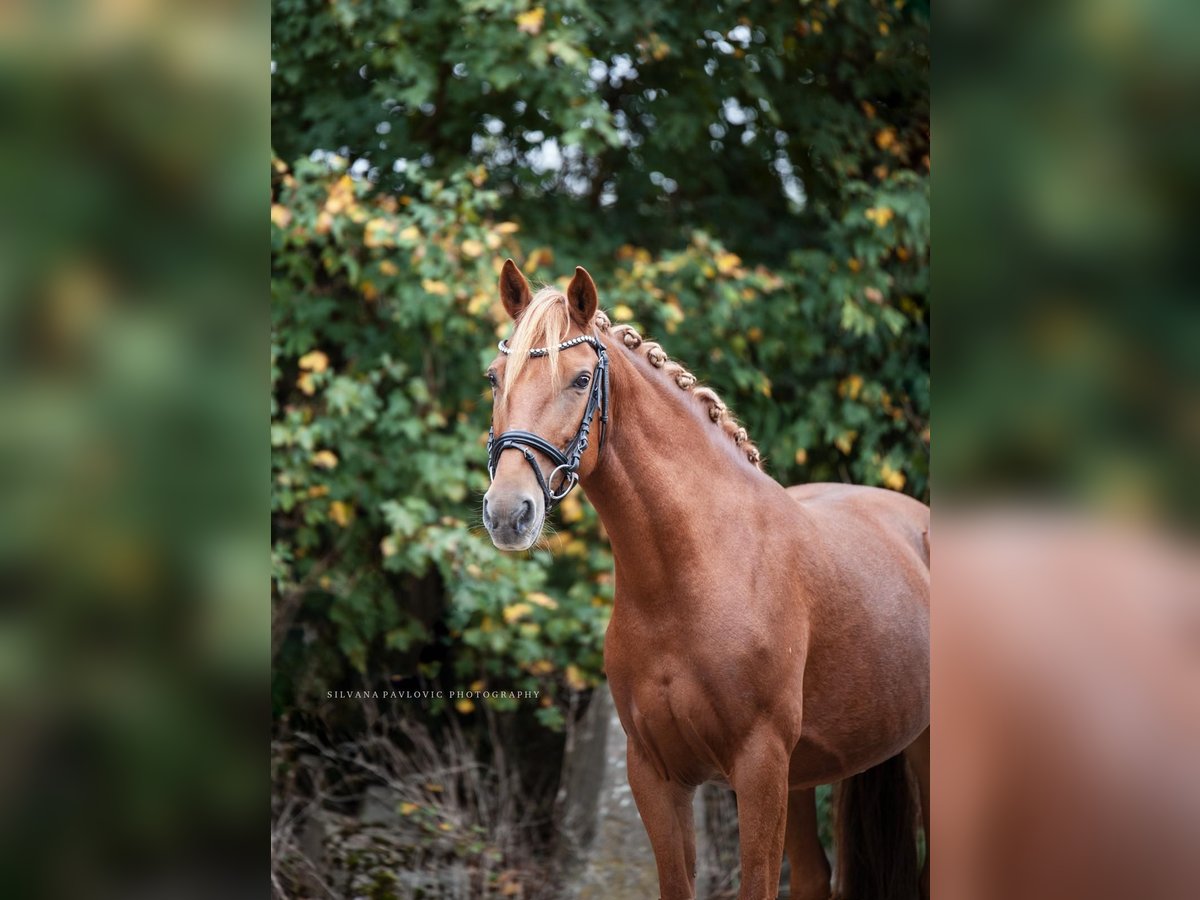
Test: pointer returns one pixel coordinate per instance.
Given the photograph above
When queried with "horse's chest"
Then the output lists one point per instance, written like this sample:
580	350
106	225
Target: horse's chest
688	715
674	725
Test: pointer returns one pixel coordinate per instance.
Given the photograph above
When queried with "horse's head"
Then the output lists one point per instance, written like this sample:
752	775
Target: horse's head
550	404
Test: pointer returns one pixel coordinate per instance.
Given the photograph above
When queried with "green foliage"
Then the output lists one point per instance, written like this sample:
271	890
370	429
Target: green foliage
667	117
749	187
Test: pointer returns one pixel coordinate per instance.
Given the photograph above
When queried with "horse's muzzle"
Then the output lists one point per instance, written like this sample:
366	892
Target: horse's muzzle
513	519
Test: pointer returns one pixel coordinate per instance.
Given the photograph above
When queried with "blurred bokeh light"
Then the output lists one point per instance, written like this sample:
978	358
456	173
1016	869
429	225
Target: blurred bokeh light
133	636
1066	640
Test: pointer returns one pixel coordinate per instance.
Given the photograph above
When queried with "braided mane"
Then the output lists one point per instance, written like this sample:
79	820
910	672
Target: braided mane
718	412
546	321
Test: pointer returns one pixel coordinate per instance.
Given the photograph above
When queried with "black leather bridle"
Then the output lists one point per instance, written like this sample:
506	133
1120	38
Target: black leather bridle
565	461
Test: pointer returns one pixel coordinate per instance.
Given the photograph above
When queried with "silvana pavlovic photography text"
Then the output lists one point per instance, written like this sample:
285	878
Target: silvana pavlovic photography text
432	695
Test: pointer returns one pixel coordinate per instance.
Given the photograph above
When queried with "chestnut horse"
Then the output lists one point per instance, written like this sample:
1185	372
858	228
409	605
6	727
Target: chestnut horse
773	639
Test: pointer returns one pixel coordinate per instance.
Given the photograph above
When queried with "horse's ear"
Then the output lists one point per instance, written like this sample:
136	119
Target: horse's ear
581	293
514	289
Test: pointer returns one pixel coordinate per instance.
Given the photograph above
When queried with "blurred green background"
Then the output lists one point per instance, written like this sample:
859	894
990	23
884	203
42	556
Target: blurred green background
748	184
133	533
1068	349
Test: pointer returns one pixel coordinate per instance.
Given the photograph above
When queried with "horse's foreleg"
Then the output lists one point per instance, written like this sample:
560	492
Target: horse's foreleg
917	756
760	780
666	811
810	866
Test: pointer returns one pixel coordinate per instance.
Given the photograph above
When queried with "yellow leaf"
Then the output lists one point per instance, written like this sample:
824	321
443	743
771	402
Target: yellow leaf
801	456
542	667
542	600
575	679
407	809
539	257
845	441
885	139
850	386
378	233
432	286
622	313
433	787
854	265
531	22
883	28
754	335
446	826
478	685
387	267
368	289
891	478
507	228
281	216
411	233
727	262
305	383
571	508
325	459
388	546
316	361
472	247
817	27
516	611
340	512
464	706
880	215
318	490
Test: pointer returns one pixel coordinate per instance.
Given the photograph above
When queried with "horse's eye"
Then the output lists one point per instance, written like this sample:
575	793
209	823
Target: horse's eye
583	380
491	377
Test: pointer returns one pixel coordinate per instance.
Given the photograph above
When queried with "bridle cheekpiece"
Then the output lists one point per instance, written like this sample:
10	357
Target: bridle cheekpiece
565	461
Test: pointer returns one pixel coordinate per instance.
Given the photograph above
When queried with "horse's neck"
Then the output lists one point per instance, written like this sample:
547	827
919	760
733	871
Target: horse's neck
669	485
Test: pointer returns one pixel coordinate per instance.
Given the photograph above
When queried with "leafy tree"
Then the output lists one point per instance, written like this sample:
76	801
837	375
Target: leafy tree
749	183
760	122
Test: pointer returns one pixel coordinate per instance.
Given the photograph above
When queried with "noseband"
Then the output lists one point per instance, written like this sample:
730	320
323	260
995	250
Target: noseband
565	461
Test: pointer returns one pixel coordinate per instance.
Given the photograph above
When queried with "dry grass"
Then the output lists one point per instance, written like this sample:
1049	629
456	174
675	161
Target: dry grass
399	813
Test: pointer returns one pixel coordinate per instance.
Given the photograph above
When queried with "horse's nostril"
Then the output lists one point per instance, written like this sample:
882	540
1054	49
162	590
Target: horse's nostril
487	520
522	519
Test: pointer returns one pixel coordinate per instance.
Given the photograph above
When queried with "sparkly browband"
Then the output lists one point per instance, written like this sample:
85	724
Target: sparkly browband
565	345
